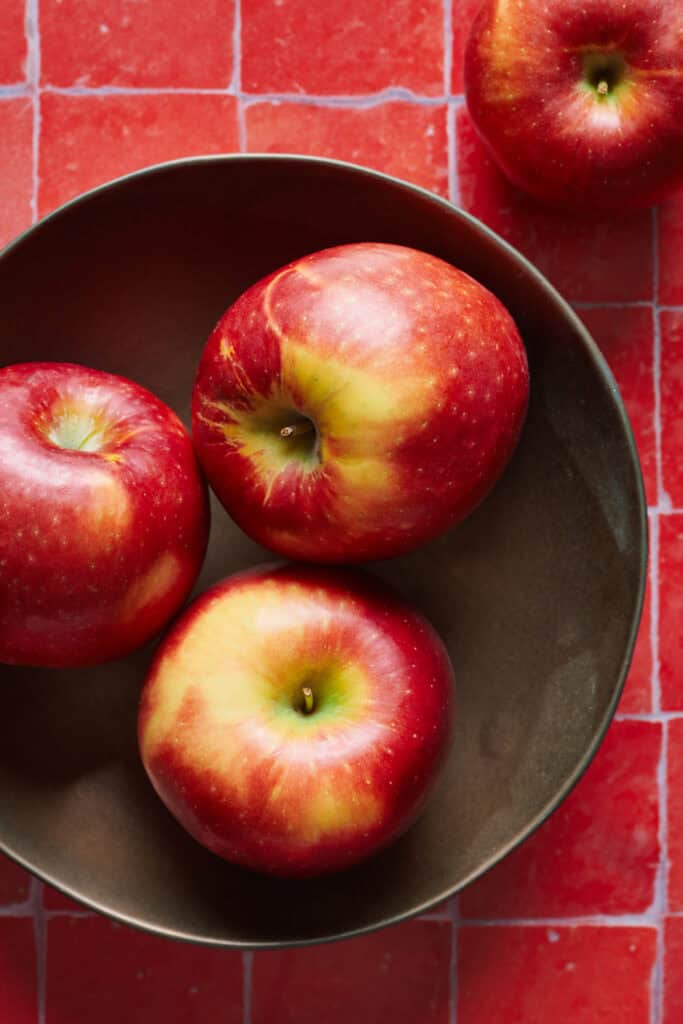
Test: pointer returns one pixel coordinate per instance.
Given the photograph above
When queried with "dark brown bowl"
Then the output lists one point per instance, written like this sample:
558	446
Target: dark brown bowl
538	595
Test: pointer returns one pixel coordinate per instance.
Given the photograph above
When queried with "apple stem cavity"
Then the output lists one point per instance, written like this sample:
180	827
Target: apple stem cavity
297	429
603	88
308	702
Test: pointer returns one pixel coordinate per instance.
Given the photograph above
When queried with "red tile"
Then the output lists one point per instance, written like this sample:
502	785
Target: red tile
87	140
399	975
625	337
670	247
329	48
588	260
673	971
672	396
403	139
53	899
16	167
675	802
531	975
671	611
637	695
154	43
12	42
598	853
464	12
14	882
18	980
102	972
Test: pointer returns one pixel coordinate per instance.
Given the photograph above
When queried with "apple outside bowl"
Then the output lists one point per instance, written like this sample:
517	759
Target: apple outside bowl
537	595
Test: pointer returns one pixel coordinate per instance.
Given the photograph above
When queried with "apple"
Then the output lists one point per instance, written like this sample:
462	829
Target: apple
357	402
103	515
295	718
581	103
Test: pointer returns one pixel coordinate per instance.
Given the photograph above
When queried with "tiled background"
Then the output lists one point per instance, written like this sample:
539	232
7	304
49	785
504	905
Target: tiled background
583	924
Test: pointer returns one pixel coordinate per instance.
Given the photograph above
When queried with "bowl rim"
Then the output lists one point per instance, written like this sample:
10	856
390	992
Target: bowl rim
602	368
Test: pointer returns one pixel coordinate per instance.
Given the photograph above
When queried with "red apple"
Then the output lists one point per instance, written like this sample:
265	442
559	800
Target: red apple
294	719
358	402
581	103
103	515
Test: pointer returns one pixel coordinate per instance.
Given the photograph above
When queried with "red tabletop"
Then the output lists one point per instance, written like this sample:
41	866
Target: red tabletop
584	923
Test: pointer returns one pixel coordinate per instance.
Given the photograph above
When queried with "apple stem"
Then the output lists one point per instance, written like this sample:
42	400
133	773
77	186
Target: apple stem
296	429
308	699
603	88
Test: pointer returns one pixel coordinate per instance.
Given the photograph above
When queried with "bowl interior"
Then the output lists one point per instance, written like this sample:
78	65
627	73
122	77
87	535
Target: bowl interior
537	594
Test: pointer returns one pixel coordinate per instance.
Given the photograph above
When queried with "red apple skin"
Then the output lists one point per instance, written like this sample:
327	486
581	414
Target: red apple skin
98	547
532	74
264	785
416	380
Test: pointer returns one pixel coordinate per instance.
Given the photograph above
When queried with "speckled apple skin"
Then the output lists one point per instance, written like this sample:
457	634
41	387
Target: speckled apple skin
98	548
257	781
414	375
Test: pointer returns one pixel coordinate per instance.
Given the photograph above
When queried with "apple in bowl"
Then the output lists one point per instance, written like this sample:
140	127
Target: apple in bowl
295	718
358	402
103	515
581	103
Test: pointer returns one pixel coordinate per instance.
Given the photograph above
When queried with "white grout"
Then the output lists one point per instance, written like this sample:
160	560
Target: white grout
32	29
454	908
660	896
645	920
453	179
40	934
237	76
632	304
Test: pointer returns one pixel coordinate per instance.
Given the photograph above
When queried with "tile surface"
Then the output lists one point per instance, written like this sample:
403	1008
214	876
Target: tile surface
18	974
673	989
293	46
13	48
537	975
675	813
400	975
148	43
671	611
672	400
402	139
16	166
14	883
90	139
136	977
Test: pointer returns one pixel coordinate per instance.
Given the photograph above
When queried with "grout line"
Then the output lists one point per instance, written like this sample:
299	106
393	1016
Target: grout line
663	499
247	971
393	93
657	983
649	919
32	28
453	972
662	882
40	933
654	716
24	909
626	304
237	76
10	92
